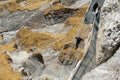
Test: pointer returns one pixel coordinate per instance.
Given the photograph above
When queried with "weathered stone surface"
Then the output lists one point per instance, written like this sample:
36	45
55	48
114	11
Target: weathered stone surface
33	66
45	37
59	16
6	71
8	36
109	34
106	71
15	20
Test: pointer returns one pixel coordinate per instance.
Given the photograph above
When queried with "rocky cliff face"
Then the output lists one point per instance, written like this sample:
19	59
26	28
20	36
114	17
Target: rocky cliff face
38	36
108	44
109	70
37	39
109	31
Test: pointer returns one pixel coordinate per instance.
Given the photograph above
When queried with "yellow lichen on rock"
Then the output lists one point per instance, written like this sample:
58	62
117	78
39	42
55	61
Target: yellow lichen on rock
69	37
78	29
54	8
13	5
57	7
6	71
70	55
42	40
36	4
1	38
8	47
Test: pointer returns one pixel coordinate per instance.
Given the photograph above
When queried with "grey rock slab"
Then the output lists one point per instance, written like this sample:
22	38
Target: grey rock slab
8	36
14	20
18	58
109	70
108	35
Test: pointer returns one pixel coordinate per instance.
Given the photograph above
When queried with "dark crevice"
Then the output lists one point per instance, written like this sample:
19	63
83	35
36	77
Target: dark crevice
116	48
109	53
59	16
